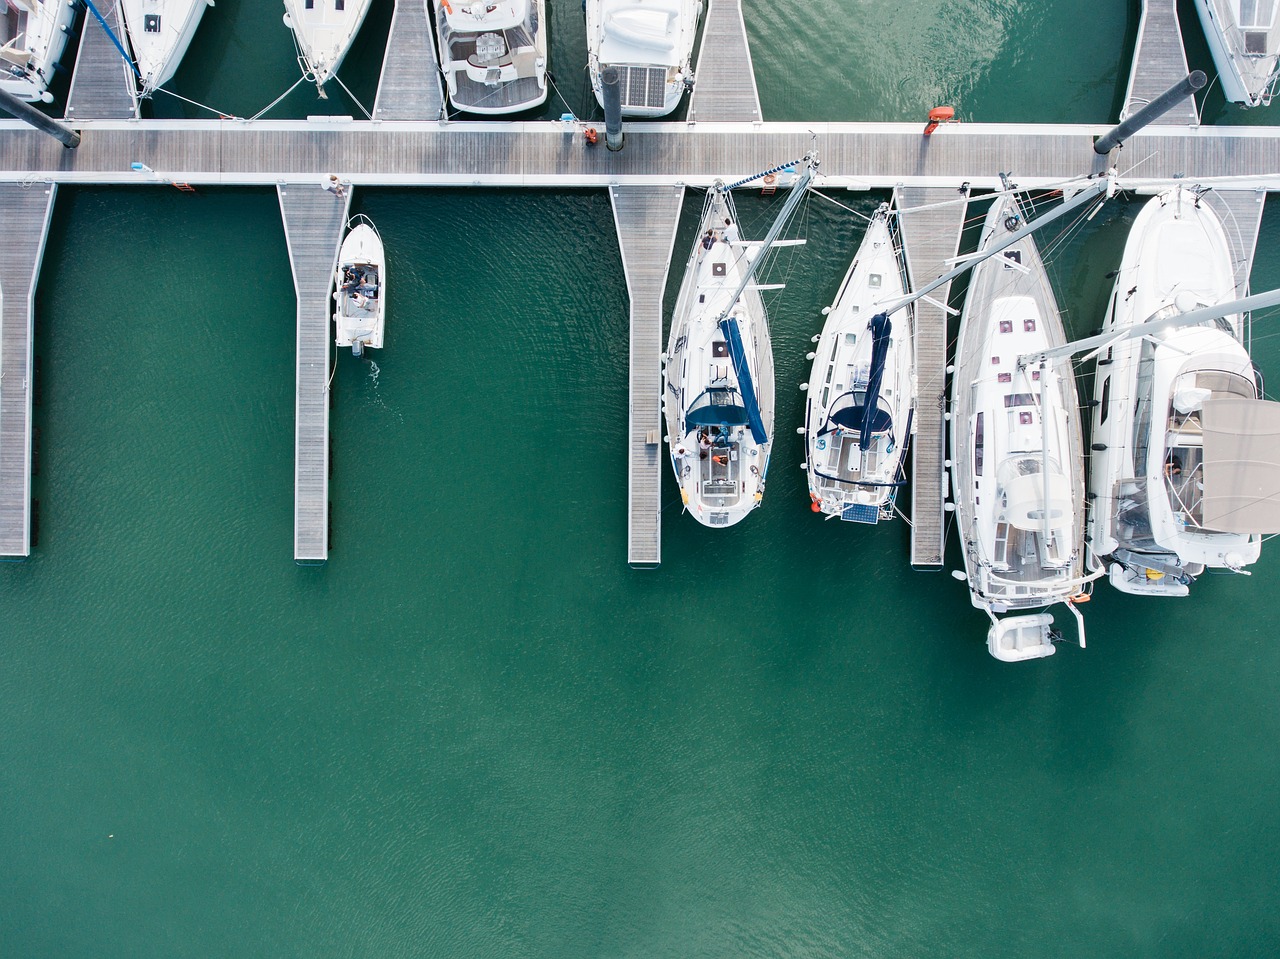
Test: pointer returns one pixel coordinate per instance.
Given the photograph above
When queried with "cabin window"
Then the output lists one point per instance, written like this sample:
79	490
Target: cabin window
1019	399
977	446
1106	400
311	4
340	5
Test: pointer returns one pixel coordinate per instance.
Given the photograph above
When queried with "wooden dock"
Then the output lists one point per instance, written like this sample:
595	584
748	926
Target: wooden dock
102	84
646	220
1159	62
314	221
724	86
930	236
25	211
410	88
1241	215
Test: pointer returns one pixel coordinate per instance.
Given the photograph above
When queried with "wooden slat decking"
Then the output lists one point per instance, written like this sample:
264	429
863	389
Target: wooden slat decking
1159	62
24	217
646	219
724	85
930	237
1241	215
409	88
314	220
101	86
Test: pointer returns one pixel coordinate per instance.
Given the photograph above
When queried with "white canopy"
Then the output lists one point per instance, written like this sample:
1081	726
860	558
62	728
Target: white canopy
1241	465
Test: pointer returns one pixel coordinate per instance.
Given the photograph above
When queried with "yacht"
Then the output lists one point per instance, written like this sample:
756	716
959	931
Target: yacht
650	42
1244	39
493	54
861	399
323	31
360	294
159	33
33	34
1183	474
1017	464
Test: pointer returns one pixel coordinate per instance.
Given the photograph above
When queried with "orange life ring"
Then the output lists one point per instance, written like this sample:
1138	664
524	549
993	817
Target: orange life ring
1079	598
770	178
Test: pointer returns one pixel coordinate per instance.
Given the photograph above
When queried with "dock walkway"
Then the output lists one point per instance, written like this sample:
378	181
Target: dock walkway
409	88
724	81
1159	62
1241	215
25	212
102	84
314	220
930	236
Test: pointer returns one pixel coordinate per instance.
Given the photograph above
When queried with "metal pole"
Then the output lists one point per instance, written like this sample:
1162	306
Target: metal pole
1161	105
612	88
46	124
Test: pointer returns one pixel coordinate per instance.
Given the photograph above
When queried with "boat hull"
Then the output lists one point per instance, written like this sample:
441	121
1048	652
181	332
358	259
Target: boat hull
512	77
1247	58
324	35
650	43
29	58
160	31
360	295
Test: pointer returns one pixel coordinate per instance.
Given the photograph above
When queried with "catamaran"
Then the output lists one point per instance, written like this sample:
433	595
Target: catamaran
360	297
33	34
717	373
1185	471
862	388
1244	39
650	42
1017	463
493	54
159	33
323	31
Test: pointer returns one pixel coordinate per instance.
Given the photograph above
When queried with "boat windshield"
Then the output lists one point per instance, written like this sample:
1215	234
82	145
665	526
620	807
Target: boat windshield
718	406
850	409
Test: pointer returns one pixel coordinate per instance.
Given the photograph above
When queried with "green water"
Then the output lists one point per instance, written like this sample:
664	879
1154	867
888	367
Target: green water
476	732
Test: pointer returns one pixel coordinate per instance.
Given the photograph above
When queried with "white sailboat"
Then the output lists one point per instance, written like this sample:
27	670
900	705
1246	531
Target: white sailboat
718	385
360	295
323	31
33	34
650	42
862	389
1244	38
1185	471
493	54
159	33
1017	463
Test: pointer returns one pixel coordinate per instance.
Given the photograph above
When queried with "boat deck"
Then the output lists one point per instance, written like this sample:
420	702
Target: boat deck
25	212
102	84
313	225
410	88
930	237
1159	62
724	80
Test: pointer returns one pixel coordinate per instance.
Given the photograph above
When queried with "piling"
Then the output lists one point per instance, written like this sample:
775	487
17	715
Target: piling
45	124
1161	105
612	108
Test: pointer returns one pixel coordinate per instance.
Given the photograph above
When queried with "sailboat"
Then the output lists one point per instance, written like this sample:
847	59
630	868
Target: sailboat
360	294
323	31
493	53
861	399
650	42
717	373
1185	471
1244	38
1017	463
159	33
33	34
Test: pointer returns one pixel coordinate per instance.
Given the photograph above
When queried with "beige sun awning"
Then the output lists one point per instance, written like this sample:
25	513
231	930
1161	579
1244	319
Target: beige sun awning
1241	465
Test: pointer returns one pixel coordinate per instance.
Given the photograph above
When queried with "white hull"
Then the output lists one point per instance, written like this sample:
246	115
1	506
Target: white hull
719	463
360	294
1244	38
33	34
845	480
493	54
651	42
324	34
160	31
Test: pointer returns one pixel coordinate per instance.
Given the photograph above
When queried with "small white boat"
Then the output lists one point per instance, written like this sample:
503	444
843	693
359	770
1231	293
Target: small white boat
33	34
323	31
1185	471
159	33
650	42
360	297
861	401
493	54
1244	38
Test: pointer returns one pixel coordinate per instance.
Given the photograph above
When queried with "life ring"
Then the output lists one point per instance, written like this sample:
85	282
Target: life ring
770	179
1079	598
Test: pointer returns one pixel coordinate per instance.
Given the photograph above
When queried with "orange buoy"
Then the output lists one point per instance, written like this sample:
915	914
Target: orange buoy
939	115
1079	598
591	136
816	506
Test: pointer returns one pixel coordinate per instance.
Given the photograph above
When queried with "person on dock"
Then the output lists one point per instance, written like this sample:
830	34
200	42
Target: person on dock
334	185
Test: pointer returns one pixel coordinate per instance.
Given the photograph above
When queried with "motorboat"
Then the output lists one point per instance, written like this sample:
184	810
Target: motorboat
33	34
1244	39
323	31
862	388
360	281
1185	464
1017	463
650	43
159	33
717	372
493	54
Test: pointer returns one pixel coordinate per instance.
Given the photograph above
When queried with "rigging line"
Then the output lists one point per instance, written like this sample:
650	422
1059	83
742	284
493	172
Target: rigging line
841	205
558	93
195	103
273	103
367	114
